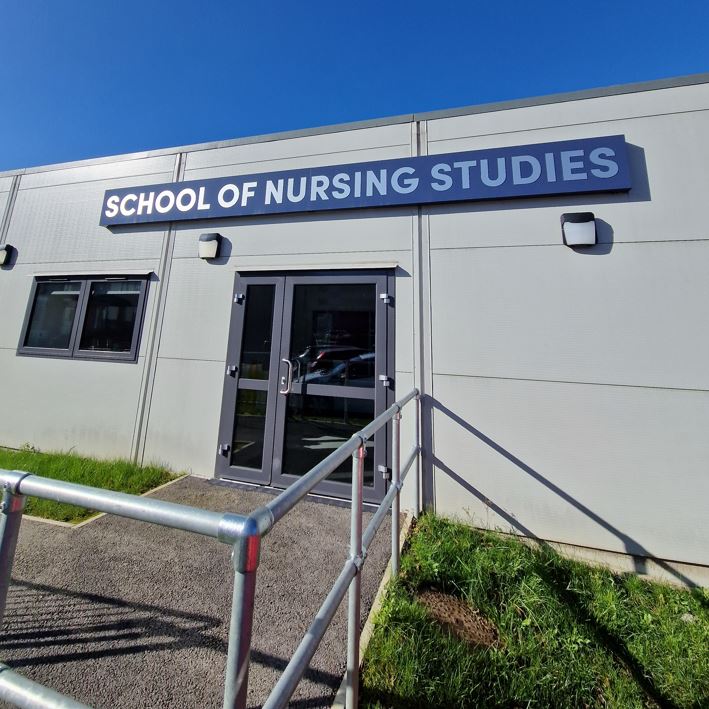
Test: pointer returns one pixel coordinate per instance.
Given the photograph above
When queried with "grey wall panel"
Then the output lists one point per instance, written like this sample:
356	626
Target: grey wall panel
5	183
55	404
617	468
61	224
197	311
4	196
609	108
184	417
364	234
286	151
633	316
668	158
146	168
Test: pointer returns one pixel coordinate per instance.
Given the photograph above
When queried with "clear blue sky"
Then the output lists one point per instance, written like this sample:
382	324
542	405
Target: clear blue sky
82	78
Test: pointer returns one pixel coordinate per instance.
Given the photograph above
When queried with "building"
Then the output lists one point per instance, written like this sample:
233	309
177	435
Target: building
237	309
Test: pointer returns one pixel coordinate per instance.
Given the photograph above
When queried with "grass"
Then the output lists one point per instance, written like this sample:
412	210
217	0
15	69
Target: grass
571	635
120	475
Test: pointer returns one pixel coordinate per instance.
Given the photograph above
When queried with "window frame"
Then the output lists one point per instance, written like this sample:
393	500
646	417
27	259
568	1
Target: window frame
73	351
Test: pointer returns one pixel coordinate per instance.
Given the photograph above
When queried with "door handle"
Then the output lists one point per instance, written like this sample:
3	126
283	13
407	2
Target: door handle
287	382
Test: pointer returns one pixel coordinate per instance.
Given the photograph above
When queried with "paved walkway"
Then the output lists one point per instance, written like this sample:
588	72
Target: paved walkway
125	614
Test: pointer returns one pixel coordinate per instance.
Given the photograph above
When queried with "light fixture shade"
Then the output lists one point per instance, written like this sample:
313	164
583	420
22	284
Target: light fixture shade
578	229
5	254
209	245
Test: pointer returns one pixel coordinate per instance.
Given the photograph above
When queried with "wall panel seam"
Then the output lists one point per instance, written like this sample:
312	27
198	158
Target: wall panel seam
163	175
615	242
569	125
570	381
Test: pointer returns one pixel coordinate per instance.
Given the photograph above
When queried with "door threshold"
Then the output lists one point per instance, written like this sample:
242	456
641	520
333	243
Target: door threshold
311	496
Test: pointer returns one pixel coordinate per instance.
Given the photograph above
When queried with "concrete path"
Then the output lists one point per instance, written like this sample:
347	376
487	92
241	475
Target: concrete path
125	614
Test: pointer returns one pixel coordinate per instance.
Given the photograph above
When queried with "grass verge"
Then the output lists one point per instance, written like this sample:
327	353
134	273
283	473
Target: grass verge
570	635
119	475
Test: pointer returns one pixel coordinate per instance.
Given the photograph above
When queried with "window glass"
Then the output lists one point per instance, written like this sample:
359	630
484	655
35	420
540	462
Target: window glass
111	312
256	347
53	315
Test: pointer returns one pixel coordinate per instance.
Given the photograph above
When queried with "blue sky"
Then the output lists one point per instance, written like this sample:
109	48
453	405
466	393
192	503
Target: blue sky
83	78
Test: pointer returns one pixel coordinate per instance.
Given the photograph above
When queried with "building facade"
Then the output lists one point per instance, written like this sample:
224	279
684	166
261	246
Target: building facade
565	389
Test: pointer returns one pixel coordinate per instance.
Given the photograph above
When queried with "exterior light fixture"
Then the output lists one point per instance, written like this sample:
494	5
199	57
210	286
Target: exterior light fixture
5	254
578	229
209	245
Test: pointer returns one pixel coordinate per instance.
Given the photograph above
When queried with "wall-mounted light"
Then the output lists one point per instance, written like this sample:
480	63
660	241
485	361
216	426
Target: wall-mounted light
209	245
5	254
578	229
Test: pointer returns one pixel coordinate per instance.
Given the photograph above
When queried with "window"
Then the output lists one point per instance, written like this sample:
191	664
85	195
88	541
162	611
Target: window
85	317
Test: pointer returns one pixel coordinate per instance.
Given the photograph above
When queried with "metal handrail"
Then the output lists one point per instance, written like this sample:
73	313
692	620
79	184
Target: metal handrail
244	534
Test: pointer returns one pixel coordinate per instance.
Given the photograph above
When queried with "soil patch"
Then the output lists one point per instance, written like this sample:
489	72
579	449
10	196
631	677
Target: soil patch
458	618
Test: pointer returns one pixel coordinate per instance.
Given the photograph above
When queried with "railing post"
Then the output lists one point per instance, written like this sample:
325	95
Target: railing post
245	557
417	478
353	616
10	518
395	478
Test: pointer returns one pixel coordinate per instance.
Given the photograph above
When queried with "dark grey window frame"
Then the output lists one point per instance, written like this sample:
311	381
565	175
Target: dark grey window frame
73	351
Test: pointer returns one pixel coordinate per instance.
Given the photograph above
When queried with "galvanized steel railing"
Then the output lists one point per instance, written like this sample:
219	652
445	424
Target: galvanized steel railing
244	534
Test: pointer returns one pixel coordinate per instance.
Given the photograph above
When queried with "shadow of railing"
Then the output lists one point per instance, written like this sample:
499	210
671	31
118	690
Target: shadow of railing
632	546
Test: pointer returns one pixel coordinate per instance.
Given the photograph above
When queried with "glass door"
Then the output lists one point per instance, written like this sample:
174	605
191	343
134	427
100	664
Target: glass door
323	378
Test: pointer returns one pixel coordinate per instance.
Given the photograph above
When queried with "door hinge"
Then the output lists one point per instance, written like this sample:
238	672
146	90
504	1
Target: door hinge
239	297
386	381
386	473
224	449
231	370
385	297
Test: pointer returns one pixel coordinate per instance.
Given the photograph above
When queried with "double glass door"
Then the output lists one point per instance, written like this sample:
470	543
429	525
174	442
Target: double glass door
307	367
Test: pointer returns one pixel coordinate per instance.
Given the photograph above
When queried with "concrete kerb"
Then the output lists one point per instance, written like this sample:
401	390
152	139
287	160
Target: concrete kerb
368	629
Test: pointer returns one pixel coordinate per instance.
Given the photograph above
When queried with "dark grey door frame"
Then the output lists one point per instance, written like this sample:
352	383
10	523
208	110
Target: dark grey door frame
383	396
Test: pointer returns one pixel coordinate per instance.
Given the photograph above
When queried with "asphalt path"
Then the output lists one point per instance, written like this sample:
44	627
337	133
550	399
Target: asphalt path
120	613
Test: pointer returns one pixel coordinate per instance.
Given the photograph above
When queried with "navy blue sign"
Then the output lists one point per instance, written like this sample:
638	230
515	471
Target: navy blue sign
566	167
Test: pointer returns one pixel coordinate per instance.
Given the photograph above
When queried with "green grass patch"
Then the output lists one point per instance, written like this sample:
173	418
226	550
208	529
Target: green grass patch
119	475
571	635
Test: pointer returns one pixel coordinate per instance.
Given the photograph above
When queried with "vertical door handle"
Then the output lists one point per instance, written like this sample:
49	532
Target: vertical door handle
287	382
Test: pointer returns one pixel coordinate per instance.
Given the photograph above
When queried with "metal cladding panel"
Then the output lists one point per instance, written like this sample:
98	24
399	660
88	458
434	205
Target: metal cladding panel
4	196
60	224
608	467
145	168
362	234
326	148
5	184
633	316
197	311
580	112
184	416
57	404
668	157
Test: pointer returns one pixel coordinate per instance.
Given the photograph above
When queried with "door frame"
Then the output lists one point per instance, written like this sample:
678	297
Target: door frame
385	281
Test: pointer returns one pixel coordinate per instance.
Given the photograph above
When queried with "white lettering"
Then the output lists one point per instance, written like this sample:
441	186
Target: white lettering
145	202
292	197
274	192
201	205
124	209
517	162
247	190
485	173
464	167
339	182
408	185
568	165
225	202
379	182
191	195
358	184
318	185
445	181
160	204
551	167
598	157
112	206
